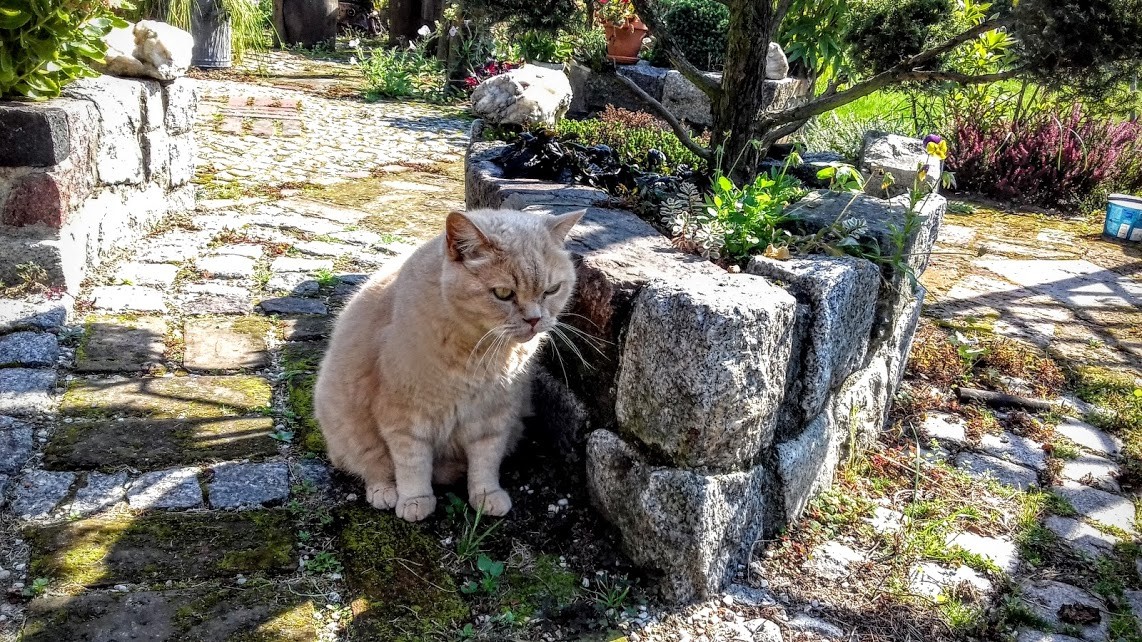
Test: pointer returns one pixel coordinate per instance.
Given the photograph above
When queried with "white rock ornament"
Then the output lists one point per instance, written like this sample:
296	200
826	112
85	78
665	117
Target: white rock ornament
530	95
776	64
148	49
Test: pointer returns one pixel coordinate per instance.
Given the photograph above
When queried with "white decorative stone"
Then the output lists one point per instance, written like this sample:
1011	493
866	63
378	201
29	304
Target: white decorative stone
930	579
120	106
225	266
899	156
148	49
291	264
1015	449
1045	597
1000	470
158	275
945	428
1092	470
810	624
530	95
776	64
833	560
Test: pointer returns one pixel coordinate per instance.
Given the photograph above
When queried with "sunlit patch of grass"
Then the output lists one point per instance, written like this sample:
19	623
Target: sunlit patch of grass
1120	394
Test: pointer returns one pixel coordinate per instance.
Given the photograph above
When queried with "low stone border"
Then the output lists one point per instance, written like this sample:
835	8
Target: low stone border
714	405
83	175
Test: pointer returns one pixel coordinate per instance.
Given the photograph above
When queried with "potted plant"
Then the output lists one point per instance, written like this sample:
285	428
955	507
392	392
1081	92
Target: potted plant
223	30
623	29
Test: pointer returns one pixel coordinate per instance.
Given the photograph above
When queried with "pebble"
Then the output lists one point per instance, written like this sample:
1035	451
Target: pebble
562	502
351	497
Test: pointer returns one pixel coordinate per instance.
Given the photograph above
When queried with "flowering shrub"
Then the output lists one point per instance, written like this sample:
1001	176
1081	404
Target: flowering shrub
487	70
1049	159
615	12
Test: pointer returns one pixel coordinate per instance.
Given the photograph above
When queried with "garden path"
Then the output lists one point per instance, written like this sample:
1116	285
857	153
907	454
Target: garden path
158	477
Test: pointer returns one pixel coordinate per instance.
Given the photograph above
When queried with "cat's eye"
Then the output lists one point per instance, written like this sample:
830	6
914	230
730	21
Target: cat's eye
553	289
503	294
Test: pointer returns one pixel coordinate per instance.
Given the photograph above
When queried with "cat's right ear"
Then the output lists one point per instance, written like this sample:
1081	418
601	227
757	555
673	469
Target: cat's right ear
464	240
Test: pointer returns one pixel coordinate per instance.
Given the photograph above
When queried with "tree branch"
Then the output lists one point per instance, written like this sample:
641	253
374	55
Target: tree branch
779	12
904	70
647	10
664	114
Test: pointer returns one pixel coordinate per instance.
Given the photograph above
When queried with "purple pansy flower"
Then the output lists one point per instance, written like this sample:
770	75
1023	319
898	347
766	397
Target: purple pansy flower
932	138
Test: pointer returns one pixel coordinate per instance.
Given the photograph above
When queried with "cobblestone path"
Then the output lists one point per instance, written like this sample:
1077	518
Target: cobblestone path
158	477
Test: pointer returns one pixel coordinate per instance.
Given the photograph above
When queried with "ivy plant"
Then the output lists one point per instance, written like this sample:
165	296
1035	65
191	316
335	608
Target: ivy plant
46	44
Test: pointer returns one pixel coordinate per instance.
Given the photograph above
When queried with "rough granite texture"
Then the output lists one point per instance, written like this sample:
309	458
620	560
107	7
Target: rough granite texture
26	392
38	492
29	350
716	405
243	485
16	444
174	488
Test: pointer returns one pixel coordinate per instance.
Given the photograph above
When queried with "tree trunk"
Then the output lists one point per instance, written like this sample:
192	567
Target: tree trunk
404	20
742	86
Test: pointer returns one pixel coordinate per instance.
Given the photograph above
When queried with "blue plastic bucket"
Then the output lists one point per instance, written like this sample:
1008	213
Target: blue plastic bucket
1124	217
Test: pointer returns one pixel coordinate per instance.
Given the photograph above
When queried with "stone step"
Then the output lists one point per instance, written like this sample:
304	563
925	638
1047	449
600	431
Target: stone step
262	611
120	343
157	547
192	398
151	444
226	344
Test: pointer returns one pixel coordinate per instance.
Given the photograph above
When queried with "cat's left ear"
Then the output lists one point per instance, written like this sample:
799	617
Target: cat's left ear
561	225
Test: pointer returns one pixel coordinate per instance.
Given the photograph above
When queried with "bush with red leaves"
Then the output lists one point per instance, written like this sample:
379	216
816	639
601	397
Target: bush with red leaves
1049	159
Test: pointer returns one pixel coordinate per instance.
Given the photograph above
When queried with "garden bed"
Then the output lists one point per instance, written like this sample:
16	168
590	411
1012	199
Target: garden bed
712	405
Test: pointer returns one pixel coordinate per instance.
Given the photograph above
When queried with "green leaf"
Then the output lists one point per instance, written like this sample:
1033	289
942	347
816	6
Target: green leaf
725	184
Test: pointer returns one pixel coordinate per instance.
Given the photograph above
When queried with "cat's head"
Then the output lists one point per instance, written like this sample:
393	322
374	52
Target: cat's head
508	270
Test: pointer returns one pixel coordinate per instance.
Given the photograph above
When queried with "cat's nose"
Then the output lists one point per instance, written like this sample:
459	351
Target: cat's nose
532	321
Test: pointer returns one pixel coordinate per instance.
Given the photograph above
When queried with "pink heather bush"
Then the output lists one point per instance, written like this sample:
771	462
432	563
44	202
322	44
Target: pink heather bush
1048	159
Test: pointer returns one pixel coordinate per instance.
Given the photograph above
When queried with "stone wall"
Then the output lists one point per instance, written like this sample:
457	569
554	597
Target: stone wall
594	91
713	406
84	175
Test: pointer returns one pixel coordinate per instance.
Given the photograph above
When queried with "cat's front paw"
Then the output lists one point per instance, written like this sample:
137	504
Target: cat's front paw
414	509
494	502
382	496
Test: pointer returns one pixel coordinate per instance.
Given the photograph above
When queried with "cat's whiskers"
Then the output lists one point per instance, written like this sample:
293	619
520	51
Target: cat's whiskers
556	331
496	329
588	338
501	333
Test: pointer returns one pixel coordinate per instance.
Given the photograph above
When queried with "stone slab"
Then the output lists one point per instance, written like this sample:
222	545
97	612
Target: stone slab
1089	437
16	444
1081	537
292	305
225	266
171	488
292	264
226	344
1000	470
33	135
157	275
25	391
244	485
248	250
162	546
38	492
206	612
323	248
1092	470
947	429
1015	449
167	397
29	350
931	580
121	344
127	298
148	444
1027	635
1076	283
806	464
99	492
214	298
1099	505
307	328
1001	551
18	315
1045	597
293	283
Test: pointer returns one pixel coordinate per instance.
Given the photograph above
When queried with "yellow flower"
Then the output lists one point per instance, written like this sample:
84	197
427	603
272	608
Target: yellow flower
939	150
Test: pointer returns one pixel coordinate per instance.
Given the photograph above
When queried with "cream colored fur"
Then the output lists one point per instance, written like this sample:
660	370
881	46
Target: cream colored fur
427	373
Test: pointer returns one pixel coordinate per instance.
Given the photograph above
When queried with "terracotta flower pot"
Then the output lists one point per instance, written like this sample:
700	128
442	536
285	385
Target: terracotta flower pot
623	42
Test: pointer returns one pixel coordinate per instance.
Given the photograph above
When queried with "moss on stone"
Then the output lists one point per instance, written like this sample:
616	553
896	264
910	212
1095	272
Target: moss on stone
400	591
302	356
543	586
151	444
167	397
299	400
174	546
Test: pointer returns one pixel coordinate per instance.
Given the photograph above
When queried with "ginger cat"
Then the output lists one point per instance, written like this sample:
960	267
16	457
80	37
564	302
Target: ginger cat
427	372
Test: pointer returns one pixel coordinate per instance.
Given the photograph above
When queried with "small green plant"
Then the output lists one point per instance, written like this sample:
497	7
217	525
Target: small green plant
325	278
37	587
632	134
403	73
471	540
610	592
323	562
46	44
842	177
467	633
489	581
